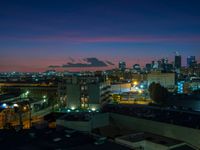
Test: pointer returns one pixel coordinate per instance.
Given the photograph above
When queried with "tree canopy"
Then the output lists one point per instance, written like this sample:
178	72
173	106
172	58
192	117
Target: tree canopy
158	93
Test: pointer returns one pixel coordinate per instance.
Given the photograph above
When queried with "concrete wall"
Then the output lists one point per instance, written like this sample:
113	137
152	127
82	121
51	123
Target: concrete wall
143	145
98	120
76	125
153	146
189	135
132	145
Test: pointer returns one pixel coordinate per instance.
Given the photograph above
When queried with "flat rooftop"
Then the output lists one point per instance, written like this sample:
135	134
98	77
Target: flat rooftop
141	136
190	119
184	147
78	116
52	139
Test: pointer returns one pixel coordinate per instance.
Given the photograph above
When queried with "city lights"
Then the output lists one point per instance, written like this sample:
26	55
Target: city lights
15	105
25	108
73	108
135	83
100	74
93	109
4	105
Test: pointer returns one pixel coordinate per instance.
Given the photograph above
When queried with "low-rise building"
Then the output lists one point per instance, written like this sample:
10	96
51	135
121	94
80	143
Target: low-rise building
167	80
149	141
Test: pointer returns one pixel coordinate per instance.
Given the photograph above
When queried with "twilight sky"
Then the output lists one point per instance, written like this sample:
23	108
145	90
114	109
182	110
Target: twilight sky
35	34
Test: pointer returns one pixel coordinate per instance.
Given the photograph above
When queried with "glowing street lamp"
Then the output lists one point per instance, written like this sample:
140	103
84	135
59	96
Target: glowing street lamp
93	109
72	108
135	83
24	108
140	91
25	95
44	98
15	105
141	86
4	105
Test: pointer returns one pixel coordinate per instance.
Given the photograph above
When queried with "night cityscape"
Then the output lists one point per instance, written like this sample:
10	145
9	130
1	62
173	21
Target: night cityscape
99	74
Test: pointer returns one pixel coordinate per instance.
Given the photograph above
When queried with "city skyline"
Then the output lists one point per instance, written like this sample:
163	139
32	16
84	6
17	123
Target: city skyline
35	35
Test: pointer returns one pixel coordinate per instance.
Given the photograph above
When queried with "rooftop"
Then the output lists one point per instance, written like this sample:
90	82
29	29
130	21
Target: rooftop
184	147
178	117
140	136
53	139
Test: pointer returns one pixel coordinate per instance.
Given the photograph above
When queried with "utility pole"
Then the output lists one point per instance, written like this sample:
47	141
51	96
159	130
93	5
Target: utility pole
20	117
5	119
29	108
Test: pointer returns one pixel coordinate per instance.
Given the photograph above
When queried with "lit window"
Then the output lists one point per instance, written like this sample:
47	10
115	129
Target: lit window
82	88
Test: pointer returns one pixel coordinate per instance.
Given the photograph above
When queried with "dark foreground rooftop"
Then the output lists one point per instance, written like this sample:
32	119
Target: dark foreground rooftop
52	139
140	136
166	115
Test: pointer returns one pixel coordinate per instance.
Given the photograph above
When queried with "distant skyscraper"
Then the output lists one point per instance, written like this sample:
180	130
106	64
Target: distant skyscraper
148	67
122	65
191	61
177	61
136	67
152	63
156	65
164	65
165	61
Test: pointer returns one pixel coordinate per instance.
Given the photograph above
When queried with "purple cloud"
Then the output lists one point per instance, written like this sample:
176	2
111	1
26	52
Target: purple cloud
103	39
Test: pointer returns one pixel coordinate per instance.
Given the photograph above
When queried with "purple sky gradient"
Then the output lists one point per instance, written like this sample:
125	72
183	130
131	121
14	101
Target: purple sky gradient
36	34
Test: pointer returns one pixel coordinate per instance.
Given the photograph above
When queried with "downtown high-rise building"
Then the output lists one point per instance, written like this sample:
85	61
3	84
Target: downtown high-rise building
122	65
177	61
136	67
191	61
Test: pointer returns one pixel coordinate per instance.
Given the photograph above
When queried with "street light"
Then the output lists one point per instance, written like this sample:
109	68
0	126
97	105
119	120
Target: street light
93	109
4	105
24	108
72	108
140	91
135	83
15	105
29	109
26	94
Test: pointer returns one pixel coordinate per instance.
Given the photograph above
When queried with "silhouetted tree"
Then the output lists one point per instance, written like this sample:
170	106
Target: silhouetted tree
158	93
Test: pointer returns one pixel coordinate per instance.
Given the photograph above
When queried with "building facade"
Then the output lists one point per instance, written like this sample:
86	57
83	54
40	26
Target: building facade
191	61
122	65
167	80
177	61
87	92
